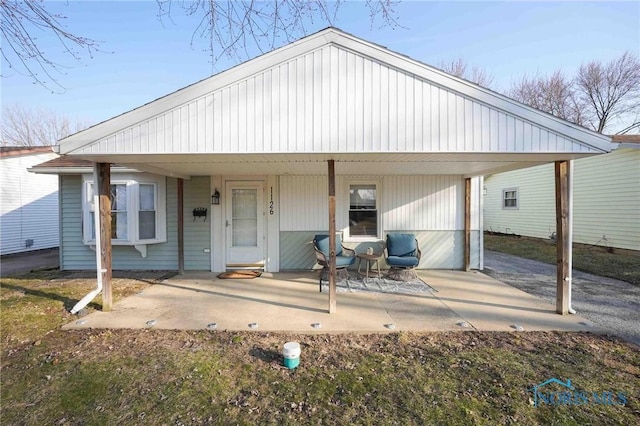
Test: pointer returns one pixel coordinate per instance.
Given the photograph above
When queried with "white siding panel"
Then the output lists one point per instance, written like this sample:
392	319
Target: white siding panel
28	205
422	202
333	100
407	202
372	128
304	203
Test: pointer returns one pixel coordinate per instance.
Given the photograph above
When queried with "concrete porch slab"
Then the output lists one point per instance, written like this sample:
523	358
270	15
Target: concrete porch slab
291	302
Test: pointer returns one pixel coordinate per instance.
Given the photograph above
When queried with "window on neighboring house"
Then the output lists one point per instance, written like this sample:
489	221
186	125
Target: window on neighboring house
137	206
363	210
510	198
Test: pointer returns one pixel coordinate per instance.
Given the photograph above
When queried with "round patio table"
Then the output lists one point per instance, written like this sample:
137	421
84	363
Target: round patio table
370	260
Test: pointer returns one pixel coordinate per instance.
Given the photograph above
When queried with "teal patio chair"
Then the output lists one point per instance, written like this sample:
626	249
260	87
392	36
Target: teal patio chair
402	253
344	257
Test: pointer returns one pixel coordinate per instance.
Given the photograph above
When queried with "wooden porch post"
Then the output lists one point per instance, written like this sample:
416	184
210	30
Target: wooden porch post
562	237
103	186
180	226
467	224
332	237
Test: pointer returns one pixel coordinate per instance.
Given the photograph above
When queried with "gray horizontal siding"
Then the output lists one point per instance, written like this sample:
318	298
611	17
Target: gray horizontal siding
77	256
197	234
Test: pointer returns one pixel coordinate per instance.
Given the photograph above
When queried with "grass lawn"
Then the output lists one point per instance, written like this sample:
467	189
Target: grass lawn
590	259
50	376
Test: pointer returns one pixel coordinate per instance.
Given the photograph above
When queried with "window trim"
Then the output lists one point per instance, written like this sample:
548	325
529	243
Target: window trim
347	237
132	181
516	198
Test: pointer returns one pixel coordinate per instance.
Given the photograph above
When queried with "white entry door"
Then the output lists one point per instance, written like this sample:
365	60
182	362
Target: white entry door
244	223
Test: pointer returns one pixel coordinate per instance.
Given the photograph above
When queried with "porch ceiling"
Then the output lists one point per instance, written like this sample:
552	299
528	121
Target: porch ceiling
466	164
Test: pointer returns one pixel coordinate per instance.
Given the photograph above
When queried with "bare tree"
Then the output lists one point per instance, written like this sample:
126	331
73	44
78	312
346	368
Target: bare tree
23	126
610	90
554	94
21	23
233	28
459	68
236	28
599	95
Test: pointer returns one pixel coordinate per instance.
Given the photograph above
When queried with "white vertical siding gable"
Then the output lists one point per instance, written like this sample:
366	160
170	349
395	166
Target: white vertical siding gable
332	99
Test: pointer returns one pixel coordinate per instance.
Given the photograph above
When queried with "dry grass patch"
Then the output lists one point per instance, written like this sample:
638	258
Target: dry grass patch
593	260
153	377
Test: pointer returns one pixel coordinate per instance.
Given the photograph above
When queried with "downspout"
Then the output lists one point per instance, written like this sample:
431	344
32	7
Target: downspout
570	233
96	212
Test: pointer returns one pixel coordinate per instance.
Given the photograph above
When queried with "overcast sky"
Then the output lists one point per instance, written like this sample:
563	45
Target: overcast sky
143	59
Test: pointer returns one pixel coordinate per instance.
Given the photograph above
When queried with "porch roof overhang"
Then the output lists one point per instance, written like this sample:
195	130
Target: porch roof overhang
465	164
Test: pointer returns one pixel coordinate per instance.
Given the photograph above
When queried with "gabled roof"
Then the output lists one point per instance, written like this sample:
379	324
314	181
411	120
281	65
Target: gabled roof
328	94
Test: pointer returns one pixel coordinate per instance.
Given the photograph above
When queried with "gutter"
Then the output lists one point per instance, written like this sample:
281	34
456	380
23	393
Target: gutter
96	212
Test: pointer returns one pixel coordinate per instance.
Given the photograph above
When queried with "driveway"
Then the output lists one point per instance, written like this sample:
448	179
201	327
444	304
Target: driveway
20	263
611	304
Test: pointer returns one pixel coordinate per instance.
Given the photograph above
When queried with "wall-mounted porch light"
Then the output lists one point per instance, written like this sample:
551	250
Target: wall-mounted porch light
215	198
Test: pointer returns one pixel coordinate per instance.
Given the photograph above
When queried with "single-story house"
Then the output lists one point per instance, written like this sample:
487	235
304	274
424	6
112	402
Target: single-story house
243	168
28	202
606	199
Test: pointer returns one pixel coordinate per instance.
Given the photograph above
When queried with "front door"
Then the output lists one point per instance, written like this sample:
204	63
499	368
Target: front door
244	224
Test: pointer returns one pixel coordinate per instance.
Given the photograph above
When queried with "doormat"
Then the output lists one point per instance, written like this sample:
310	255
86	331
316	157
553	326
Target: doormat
234	275
380	285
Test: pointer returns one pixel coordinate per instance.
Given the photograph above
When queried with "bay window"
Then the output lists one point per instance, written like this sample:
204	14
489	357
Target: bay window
138	206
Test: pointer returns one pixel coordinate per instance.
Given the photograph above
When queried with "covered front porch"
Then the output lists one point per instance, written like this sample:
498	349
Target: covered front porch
303	126
290	302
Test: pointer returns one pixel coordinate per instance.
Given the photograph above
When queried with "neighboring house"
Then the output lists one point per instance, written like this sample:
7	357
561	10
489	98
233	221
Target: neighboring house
29	202
410	143
606	199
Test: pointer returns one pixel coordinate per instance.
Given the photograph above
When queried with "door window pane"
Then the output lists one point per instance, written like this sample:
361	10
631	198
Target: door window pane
244	207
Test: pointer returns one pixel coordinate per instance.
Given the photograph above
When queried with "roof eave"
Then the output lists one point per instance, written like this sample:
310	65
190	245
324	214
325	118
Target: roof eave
75	170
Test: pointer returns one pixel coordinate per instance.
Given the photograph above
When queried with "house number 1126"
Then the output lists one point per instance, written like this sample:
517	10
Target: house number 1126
271	202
